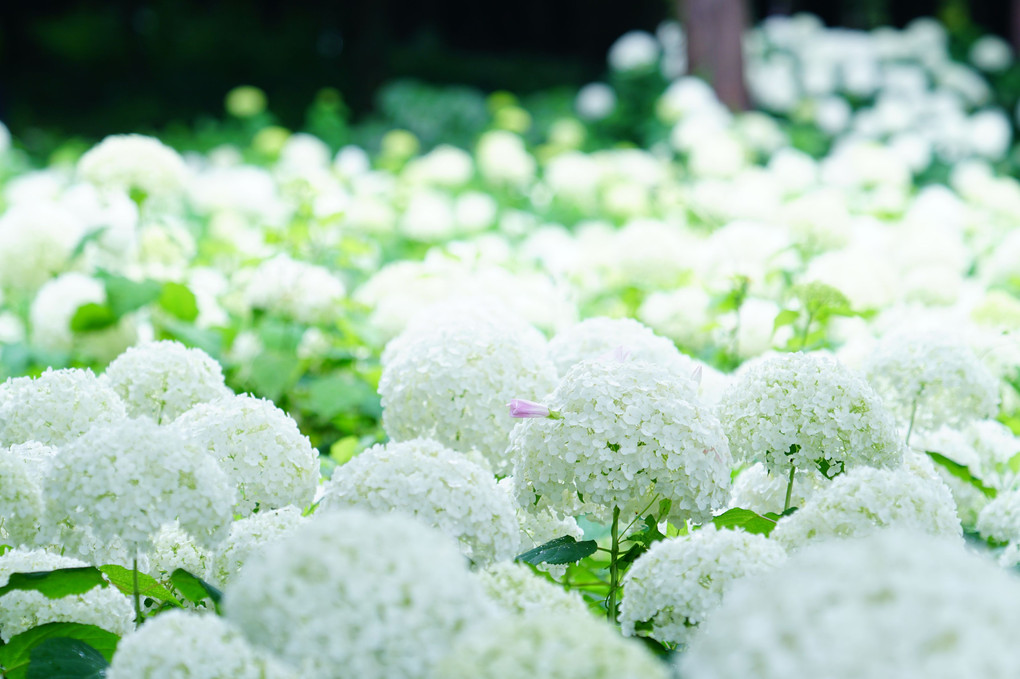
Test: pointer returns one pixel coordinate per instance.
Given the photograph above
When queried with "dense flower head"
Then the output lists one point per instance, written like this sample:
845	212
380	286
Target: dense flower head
21	610
22	502
162	380
930	379
999	520
134	161
126	479
302	291
173	548
383	597
676	584
259	446
539	526
36	241
865	499
451	381
629	435
518	590
56	407
249	535
895	604
564	645
810	411
436	485
186	645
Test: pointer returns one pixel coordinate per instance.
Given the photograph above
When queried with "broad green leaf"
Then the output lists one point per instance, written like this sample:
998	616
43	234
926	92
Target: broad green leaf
565	549
785	317
194	588
123	579
632	554
330	396
179	301
961	472
649	534
63	658
124	295
344	449
14	656
91	316
57	583
273	372
746	519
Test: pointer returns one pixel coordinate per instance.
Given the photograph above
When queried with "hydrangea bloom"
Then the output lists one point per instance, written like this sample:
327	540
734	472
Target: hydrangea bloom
540	526
676	584
302	291
56	407
36	240
999	520
452	381
381	596
247	537
562	645
517	590
187	645
128	478
161	380
628	436
930	379
891	604
437	485
810	411
22	503
134	161
259	446
21	610
865	499
173	548
594	337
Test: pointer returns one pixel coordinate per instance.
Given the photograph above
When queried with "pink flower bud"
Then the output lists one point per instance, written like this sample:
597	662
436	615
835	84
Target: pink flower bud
521	408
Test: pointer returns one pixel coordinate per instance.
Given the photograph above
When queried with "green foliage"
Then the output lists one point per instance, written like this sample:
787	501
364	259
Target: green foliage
751	522
17	657
124	578
57	583
962	472
64	658
561	550
195	589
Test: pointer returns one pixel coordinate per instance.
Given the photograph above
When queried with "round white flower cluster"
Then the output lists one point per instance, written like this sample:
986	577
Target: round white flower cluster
161	380
36	241
128	478
677	583
451	382
594	337
539	526
22	502
186	645
21	610
305	292
809	411
247	537
259	446
892	604
931	379
381	596
626	435
56	407
562	645
865	499
518	591
134	161
173	548
999	520
438	486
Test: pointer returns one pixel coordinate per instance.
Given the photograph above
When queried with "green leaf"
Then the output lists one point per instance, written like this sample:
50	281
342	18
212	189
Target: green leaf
632	554
961	472
124	295
123	579
179	301
344	449
90	237
649	534
565	549
330	396
746	519
92	316
63	658
15	655
273	372
785	317
57	583
195	589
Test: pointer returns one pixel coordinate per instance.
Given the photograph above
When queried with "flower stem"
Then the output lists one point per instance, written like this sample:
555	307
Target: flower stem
137	593
614	567
804	334
789	488
910	427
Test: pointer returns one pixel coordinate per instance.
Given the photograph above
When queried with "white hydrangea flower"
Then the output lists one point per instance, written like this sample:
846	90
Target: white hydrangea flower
865	499
247	537
438	486
266	457
503	159
382	597
173	548
128	478
186	645
991	53
756	490
540	526
518	591
595	101
305	292
22	503
594	337
134	161
626	436
892	604
451	381
36	241
561	645
810	411
56	407
162	380
677	583
999	520
633	50
21	610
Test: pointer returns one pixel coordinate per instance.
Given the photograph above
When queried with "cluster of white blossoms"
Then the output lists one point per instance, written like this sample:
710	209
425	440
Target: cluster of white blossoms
436	485
808	411
677	583
161	380
519	591
134	161
625	435
247	537
999	520
21	610
22	502
865	499
894	603
188	645
295	289
451	382
562	644
594	337
173	548
383	597
260	448
930	379
36	241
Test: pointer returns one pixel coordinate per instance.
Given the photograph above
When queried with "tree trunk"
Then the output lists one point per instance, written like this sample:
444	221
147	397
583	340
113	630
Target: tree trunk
1014	25
715	30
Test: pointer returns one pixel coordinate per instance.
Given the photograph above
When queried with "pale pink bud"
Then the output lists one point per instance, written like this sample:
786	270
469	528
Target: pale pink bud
522	408
696	374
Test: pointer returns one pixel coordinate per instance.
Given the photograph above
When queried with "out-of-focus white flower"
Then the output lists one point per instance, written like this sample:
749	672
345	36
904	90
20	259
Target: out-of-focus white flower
991	53
990	134
503	159
595	101
305	292
134	162
36	241
593	337
22	470
632	51
54	307
519	591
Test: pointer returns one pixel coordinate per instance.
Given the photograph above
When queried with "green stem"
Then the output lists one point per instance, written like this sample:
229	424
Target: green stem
789	488
614	567
804	334
910	427
137	593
